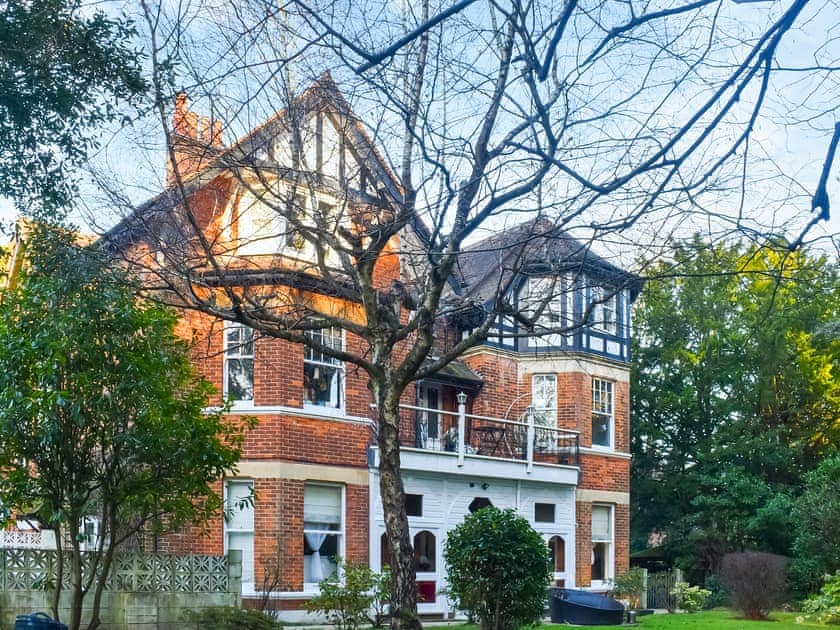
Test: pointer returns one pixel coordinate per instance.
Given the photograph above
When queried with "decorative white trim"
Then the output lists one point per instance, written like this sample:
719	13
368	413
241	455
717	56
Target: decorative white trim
248	590
584	495
314	411
566	361
604	451
280	469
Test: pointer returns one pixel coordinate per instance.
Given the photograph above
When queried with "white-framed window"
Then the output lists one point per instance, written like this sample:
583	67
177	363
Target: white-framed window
602	412
544	399
323	531
602	544
89	533
239	523
238	383
323	375
604	314
545	292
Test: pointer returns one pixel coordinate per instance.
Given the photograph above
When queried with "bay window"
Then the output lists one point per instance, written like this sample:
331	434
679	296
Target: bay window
602	412
238	383
323	375
239	523
322	531
602	543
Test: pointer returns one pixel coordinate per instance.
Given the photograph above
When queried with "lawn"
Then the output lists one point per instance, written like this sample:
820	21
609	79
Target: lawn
707	620
725	619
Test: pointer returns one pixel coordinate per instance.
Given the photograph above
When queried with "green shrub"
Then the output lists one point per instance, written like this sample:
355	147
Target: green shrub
381	597
348	596
719	596
231	618
630	586
498	569
816	550
690	598
825	606
804	577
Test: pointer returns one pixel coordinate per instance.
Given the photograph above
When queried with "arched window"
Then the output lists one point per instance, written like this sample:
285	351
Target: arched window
425	560
557	546
478	503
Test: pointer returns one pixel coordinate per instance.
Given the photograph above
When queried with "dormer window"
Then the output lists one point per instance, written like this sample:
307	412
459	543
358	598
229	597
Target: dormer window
604	311
544	293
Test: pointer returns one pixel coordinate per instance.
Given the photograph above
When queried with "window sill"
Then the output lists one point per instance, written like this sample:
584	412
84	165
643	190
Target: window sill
249	590
323	410
313	411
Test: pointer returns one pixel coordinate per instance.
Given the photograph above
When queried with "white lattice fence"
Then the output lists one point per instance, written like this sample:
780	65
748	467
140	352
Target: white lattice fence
31	570
27	539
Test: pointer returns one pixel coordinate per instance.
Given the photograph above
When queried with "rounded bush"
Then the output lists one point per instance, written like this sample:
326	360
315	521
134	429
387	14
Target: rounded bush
498	569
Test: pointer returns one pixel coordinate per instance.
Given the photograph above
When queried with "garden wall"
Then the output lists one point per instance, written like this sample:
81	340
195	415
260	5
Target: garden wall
145	591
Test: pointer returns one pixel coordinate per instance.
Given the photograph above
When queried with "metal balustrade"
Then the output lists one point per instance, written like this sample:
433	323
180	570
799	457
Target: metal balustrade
467	434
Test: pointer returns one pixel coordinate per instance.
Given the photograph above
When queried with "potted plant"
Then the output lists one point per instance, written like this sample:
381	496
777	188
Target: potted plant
629	588
450	439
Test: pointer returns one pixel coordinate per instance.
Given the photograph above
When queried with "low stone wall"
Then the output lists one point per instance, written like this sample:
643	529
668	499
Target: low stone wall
145	591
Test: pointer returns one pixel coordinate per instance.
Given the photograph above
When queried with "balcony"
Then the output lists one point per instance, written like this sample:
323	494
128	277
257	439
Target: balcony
455	442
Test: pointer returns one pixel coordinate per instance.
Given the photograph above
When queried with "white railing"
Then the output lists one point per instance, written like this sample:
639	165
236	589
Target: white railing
468	434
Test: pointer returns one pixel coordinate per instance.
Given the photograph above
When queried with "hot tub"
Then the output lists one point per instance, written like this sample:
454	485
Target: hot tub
584	608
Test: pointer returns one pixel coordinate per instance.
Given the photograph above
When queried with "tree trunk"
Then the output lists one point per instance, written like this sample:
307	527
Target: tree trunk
403	576
76	591
59	573
103	574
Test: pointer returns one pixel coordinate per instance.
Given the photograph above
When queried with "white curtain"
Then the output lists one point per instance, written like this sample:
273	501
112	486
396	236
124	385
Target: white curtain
316	573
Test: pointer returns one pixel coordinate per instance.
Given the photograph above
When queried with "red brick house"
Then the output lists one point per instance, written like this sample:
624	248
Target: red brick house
536	422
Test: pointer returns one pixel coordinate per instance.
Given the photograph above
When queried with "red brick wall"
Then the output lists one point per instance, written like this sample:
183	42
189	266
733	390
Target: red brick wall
621	402
622	539
504	392
300	439
501	386
278	539
601	472
574	404
278	367
278	533
583	541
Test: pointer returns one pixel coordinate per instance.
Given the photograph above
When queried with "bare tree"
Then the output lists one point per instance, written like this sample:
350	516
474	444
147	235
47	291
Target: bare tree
618	123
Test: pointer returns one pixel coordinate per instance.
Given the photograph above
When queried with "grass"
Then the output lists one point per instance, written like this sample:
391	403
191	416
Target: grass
706	620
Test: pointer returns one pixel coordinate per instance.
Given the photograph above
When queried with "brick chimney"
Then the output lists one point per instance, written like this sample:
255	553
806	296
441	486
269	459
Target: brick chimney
195	141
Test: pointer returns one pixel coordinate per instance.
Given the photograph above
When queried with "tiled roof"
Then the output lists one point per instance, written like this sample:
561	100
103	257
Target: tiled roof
532	247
